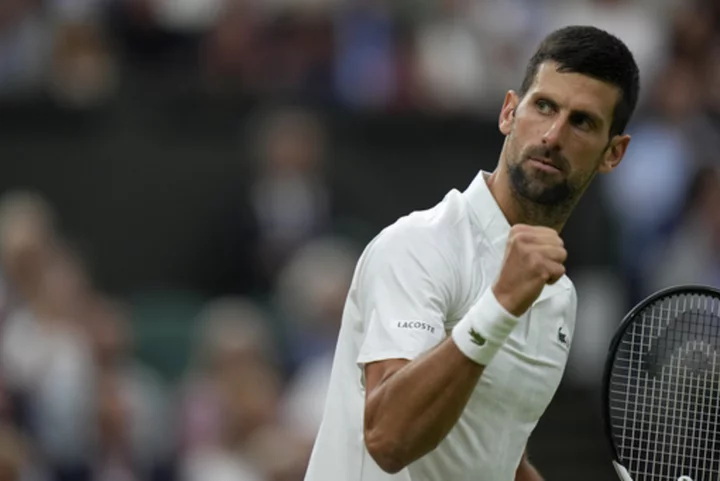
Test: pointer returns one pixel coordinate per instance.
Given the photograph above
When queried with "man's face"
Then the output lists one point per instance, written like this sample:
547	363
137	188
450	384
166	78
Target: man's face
558	135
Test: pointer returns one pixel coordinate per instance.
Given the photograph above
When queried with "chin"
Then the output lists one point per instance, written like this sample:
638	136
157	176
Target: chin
543	192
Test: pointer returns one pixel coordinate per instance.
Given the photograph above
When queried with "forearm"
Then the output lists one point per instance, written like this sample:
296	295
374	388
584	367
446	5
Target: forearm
413	410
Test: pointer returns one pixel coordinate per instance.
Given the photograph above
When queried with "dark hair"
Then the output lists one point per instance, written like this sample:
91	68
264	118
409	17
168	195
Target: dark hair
597	54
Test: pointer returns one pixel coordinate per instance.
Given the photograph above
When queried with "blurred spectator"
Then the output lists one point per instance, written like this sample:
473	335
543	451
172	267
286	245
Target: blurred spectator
257	48
706	130
365	55
311	295
25	48
27	239
42	340
45	331
232	393
189	15
55	47
83	67
230	330
283	202
131	431
452	65
46	353
602	303
18	462
692	254
234	55
507	44
264	448
647	192
693	29
290	195
302	66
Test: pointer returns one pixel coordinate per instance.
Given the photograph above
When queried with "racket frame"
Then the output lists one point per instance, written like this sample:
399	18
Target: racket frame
627	321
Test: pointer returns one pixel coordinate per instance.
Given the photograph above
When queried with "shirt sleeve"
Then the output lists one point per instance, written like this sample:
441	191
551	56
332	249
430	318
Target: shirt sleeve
403	296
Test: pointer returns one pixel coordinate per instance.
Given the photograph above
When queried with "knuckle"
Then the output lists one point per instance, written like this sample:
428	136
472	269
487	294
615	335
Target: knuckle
516	240
526	237
536	262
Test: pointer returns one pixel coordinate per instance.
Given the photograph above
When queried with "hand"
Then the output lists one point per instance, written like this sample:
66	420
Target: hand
534	257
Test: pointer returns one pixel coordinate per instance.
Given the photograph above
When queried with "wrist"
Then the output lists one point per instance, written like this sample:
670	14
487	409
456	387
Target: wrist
484	329
506	300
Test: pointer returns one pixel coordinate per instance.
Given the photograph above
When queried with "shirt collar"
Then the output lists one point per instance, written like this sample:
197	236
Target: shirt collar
487	212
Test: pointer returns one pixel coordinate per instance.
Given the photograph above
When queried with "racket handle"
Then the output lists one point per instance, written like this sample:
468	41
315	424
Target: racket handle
622	472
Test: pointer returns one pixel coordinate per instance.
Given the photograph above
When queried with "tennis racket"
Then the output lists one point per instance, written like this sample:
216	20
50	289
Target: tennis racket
661	388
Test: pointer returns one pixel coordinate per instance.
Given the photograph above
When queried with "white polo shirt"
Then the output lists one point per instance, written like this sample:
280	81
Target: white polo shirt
413	283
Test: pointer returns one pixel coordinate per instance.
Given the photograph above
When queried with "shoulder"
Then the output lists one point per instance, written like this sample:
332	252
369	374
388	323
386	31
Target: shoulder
431	231
425	243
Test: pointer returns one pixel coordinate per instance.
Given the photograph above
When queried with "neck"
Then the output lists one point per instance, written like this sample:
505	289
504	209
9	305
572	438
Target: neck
518	210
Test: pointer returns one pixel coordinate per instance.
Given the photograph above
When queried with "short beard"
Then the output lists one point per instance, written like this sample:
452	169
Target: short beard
550	207
553	195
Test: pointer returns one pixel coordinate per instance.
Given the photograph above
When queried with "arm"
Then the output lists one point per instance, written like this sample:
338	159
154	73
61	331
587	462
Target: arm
526	471
417	385
417	382
411	406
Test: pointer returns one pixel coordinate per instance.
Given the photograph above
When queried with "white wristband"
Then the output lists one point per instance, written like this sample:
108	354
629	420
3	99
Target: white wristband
487	325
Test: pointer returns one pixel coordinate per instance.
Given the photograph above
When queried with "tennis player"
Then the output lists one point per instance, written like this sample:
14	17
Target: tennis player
458	324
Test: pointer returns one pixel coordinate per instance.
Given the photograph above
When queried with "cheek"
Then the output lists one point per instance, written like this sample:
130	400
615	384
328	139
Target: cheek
514	148
585	154
519	137
584	168
529	130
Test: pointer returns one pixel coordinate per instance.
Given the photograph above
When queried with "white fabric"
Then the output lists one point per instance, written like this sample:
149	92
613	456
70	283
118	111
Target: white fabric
413	283
491	321
217	465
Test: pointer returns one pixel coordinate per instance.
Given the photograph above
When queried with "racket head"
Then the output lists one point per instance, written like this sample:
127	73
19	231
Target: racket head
631	319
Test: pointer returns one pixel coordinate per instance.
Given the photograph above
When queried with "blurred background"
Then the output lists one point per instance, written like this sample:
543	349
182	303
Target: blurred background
187	184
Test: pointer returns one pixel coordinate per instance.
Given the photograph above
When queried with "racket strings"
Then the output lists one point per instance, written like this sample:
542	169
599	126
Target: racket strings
664	391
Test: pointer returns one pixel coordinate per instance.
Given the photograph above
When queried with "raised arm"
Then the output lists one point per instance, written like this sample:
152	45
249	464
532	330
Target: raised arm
417	385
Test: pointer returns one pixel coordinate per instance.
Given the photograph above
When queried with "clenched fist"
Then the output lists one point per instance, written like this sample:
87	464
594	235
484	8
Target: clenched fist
534	257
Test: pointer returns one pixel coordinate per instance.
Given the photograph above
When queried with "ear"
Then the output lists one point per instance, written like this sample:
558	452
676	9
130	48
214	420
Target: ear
507	114
614	153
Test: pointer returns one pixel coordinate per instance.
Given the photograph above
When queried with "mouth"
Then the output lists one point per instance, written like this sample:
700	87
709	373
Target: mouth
545	165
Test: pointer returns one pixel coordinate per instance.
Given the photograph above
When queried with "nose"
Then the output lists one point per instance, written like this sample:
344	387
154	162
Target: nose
553	134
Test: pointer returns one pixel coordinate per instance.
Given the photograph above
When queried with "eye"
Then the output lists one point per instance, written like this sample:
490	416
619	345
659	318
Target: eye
582	121
544	107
